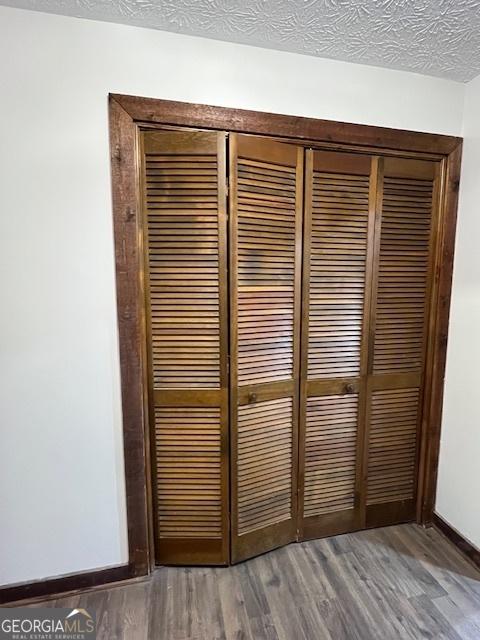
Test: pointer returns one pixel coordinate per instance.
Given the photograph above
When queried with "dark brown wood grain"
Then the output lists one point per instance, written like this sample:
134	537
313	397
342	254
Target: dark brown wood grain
466	547
400	320
76	582
371	273
266	191
437	351
128	263
338	209
150	110
184	228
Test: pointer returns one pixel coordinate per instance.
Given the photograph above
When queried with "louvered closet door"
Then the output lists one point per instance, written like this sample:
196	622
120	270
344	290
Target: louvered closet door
399	312
339	220
266	227
186	277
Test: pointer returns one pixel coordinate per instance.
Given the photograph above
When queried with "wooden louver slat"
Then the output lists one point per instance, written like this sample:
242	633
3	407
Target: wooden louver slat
330	454
338	243
265	208
392	446
183	268
402	274
185	223
188	453
265	449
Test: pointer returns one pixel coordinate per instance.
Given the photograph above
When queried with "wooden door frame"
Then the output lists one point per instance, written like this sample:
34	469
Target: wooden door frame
128	115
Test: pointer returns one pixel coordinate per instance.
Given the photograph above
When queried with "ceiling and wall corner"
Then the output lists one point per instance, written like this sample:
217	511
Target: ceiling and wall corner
61	460
434	37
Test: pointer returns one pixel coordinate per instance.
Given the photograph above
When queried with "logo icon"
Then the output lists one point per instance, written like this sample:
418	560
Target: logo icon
46	623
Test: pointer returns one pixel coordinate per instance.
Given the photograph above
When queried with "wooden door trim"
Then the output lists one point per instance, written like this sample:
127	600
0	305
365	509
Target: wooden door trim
129	267
128	114
186	114
438	335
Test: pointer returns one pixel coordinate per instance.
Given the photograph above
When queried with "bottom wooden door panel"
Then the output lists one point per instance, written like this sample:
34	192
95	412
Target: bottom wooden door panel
265	472
330	466
264	464
190	483
188	461
393	415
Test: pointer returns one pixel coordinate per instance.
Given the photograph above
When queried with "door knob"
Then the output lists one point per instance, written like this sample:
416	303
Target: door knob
252	397
349	388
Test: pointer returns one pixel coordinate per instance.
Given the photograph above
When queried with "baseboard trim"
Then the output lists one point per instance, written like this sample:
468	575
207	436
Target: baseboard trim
45	589
465	546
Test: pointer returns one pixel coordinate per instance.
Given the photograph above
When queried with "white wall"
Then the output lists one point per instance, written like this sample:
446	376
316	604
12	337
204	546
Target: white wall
61	476
458	494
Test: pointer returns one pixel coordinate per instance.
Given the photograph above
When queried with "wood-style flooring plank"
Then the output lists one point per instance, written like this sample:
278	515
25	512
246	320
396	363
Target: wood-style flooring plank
397	583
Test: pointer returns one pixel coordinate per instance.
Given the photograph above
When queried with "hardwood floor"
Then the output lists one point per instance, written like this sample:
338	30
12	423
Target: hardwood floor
395	583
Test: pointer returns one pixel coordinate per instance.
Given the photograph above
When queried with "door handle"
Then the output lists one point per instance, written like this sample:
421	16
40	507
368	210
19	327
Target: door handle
349	388
252	397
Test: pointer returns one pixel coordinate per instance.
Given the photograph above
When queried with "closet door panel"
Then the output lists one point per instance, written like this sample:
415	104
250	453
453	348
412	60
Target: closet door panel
401	302
403	266
338	216
184	178
330	463
265	448
266	224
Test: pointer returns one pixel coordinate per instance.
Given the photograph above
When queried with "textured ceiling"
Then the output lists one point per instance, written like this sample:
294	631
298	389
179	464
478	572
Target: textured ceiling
434	37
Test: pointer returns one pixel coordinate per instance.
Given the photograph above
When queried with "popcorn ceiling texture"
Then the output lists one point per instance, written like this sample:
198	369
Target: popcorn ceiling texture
433	37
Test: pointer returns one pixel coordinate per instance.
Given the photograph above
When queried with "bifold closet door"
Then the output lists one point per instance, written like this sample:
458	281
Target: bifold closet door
340	200
403	271
297	411
184	183
266	182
